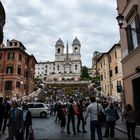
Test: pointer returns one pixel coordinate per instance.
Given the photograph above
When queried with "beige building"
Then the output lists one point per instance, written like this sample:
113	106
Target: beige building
103	69
110	70
128	19
95	57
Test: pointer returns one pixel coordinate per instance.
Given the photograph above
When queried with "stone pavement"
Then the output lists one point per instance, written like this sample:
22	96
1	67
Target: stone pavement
120	126
47	129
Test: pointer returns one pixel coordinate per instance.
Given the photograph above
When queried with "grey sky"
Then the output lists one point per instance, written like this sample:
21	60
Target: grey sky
38	24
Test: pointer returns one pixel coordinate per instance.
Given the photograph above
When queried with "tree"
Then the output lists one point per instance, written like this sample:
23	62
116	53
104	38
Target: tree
85	74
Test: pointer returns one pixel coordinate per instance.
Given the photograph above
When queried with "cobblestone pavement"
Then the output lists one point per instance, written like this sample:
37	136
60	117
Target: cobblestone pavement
47	129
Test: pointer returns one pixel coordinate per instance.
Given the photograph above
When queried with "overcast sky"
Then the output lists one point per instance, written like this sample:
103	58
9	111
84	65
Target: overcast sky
38	24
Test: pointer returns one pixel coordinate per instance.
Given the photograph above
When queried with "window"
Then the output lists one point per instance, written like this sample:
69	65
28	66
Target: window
20	57
25	74
39	106
58	50
58	67
9	70
133	38
110	73
15	43
101	64
76	49
17	84
26	61
110	59
8	85
10	44
10	55
104	75
115	54
76	67
0	55
19	71
30	105
116	69
101	77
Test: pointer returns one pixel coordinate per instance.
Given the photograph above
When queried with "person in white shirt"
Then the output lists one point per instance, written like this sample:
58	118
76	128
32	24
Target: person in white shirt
92	111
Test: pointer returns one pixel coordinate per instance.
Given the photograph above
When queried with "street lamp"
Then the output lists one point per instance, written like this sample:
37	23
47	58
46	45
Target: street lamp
120	19
21	88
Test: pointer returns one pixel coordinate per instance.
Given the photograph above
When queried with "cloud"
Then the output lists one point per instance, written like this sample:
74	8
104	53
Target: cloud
39	24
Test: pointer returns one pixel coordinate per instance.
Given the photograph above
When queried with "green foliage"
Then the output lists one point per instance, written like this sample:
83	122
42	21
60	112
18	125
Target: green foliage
42	99
85	74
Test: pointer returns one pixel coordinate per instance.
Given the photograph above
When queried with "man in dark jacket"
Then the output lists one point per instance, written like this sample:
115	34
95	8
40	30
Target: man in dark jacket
27	120
15	121
7	108
71	117
1	113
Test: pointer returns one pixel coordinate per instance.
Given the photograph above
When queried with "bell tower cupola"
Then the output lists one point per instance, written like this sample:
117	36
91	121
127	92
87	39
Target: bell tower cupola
76	46
59	47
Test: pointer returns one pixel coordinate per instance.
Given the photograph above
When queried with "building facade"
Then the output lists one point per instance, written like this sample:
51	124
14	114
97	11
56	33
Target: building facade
110	70
67	66
130	48
95	57
17	69
2	21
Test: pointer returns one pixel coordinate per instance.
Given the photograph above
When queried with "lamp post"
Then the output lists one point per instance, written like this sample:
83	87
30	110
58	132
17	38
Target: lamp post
21	87
120	19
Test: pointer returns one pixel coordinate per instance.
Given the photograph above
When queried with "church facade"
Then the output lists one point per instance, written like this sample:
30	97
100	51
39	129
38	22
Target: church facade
67	66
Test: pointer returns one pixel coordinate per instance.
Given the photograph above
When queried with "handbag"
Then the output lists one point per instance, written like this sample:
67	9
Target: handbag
117	115
31	134
101	115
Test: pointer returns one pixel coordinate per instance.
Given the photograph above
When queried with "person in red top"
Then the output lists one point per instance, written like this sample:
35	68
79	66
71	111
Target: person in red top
80	117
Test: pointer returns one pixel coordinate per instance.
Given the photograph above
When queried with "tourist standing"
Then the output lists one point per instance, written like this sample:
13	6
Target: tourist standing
130	118
6	114
94	123
2	109
63	117
27	120
80	117
71	117
15	121
111	113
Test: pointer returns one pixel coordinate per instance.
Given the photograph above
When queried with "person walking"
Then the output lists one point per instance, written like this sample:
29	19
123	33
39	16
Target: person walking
130	119
111	113
2	109
63	117
71	117
6	114
15	121
80	117
27	121
92	110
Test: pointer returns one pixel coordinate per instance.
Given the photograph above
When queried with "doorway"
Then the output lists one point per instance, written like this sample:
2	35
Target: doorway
136	96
